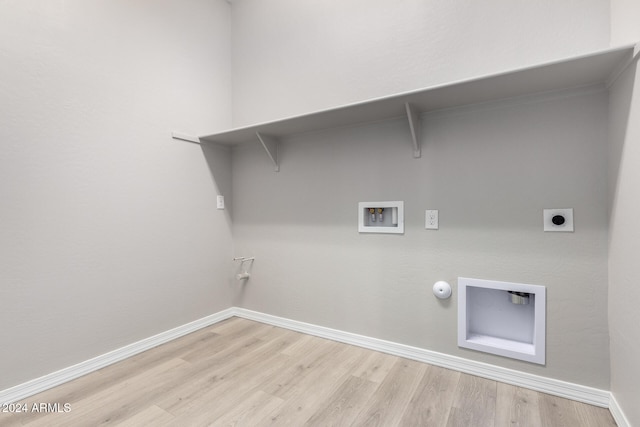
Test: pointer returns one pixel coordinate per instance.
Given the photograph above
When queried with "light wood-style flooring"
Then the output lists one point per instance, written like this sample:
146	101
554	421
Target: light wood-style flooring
244	373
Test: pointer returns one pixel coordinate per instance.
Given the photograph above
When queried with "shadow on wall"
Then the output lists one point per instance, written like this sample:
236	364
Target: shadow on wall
623	231
618	127
218	159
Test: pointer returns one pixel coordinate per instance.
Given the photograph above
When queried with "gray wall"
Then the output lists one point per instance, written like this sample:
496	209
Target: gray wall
108	228
624	245
490	170
292	57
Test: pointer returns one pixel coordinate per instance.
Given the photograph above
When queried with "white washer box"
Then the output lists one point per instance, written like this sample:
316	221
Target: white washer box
390	220
489	321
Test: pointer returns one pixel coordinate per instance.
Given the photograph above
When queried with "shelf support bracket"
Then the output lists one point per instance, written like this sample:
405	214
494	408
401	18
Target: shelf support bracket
270	145
185	137
414	127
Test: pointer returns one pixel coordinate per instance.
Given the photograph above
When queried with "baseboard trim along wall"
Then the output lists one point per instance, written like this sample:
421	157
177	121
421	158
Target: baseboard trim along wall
616	411
568	390
592	396
38	385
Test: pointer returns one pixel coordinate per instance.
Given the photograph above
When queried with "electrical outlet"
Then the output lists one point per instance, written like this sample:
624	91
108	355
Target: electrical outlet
220	202
431	219
557	220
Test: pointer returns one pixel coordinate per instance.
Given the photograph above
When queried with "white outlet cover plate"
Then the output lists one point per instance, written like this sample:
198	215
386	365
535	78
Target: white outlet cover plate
548	214
431	219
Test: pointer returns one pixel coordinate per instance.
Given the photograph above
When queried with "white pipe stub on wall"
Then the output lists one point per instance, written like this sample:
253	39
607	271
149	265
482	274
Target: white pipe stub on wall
243	272
442	290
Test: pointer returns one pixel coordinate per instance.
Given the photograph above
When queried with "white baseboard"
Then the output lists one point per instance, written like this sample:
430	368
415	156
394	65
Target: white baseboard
555	387
568	390
30	388
616	412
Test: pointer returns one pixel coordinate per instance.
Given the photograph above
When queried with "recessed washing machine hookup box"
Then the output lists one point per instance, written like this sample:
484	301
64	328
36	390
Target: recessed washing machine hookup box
381	217
503	318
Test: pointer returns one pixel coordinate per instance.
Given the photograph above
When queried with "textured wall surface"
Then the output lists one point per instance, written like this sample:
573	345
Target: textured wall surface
624	246
108	228
490	171
292	57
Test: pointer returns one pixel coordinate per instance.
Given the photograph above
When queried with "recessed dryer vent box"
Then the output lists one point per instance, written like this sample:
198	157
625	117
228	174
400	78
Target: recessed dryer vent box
381	217
503	318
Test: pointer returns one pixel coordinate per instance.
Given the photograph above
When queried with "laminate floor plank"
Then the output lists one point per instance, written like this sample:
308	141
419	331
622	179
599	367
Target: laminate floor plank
158	355
376	367
71	392
302	346
223	398
204	376
273	332
98	381
232	327
285	383
121	371
317	384
223	350
125	399
245	373
387	405
230	380
345	404
516	406
474	403
8	419
151	416
104	378
432	401
338	357
304	401
249	411
592	416
212	378
557	412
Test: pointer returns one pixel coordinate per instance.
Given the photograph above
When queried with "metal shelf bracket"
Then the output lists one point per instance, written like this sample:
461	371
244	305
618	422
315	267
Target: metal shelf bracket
185	137
414	126
270	145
